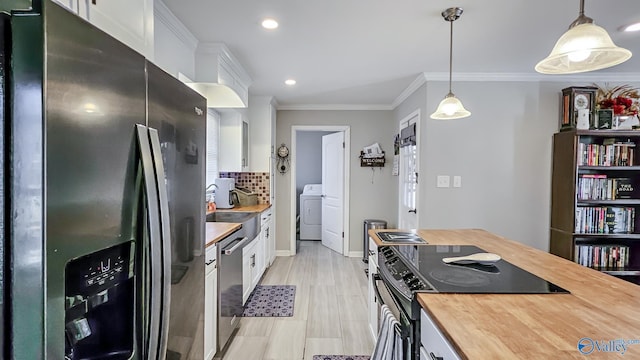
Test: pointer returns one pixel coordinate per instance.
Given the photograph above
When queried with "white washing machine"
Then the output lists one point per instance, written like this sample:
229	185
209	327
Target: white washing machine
311	212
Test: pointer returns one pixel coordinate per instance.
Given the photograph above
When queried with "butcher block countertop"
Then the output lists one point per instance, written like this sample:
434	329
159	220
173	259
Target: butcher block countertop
216	231
600	307
253	208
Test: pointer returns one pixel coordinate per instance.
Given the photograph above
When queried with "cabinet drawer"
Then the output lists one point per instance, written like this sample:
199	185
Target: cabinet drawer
433	341
265	217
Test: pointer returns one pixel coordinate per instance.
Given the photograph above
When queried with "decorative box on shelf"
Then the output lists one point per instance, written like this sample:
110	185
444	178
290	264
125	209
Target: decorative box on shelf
372	161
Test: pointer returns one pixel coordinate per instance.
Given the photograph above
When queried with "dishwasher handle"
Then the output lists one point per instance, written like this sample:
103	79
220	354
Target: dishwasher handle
239	243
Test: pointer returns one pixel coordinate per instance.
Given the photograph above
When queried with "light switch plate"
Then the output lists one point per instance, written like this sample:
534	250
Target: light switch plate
442	181
457	181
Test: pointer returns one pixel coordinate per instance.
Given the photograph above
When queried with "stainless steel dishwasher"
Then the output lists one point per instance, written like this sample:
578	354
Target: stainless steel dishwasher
230	280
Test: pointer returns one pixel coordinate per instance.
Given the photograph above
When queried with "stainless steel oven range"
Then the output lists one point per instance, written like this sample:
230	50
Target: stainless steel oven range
406	270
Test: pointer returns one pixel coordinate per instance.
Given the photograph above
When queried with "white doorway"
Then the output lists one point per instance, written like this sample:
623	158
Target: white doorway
338	239
409	171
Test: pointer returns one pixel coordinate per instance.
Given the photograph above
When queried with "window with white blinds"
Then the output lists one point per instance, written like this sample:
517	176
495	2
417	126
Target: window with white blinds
213	131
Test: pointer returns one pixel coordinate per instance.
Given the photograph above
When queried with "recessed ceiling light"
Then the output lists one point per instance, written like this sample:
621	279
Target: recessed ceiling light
290	82
632	27
269	23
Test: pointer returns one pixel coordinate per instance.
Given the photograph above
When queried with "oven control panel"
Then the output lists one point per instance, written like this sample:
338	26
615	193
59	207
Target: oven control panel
392	263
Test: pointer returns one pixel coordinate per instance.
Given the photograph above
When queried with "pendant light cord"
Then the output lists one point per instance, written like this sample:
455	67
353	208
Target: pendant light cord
451	53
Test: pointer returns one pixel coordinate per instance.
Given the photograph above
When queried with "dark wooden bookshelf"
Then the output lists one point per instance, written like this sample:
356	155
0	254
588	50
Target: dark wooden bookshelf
564	198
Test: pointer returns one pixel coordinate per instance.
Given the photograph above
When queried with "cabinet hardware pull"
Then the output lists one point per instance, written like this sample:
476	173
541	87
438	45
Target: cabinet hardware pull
434	357
415	211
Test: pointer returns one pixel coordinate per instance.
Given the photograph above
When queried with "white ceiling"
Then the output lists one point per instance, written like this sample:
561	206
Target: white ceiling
367	52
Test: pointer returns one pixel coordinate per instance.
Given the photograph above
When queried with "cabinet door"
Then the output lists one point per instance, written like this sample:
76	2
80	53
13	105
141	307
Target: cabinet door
433	341
246	275
258	269
210	313
266	250
245	145
234	142
128	21
270	239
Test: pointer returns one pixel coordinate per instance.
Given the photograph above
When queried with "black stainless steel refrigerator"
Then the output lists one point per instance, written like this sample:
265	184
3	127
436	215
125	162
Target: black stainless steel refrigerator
102	189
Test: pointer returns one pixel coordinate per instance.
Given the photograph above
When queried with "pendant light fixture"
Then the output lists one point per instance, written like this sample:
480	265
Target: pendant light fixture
450	107
584	47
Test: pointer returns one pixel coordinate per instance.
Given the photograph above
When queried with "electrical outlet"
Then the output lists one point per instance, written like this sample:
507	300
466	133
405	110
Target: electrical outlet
442	181
457	181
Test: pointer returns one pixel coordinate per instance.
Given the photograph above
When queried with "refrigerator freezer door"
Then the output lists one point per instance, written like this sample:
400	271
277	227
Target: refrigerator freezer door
178	113
74	167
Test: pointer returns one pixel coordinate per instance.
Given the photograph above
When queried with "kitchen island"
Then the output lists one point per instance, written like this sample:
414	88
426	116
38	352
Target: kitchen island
603	309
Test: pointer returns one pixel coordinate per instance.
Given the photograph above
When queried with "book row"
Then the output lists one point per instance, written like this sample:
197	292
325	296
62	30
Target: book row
616	154
603	257
599	187
604	220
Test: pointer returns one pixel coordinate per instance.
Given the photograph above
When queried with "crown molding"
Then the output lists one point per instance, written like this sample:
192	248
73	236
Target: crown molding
165	16
594	76
340	107
415	85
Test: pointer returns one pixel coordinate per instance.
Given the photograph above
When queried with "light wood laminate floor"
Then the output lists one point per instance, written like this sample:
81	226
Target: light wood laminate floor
330	310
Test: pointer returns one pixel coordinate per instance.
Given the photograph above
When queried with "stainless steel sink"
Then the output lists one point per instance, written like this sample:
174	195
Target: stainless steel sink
250	220
229	216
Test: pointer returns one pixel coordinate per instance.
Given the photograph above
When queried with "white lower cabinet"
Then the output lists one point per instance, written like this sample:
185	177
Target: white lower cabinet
248	266
210	303
373	301
268	241
434	344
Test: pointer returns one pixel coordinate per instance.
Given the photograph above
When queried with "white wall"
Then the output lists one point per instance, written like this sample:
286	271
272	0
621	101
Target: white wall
174	45
371	193
502	151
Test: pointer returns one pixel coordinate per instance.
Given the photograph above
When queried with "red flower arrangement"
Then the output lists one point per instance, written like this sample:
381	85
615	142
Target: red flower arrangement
623	99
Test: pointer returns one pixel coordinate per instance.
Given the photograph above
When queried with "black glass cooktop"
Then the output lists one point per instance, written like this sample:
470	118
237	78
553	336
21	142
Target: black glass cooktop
501	277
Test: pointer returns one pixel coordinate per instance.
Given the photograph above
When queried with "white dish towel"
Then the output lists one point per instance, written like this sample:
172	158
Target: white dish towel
389	344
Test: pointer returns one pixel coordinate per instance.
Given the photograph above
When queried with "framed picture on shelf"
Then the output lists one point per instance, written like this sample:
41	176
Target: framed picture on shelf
605	119
578	107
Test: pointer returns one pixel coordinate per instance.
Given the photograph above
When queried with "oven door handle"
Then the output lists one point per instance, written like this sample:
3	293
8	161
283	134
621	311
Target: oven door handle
376	278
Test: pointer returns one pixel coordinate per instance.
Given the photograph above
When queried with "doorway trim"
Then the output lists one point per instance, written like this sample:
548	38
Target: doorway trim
347	176
417	115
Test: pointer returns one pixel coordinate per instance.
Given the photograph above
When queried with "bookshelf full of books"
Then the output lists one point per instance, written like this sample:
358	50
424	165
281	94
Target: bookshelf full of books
595	195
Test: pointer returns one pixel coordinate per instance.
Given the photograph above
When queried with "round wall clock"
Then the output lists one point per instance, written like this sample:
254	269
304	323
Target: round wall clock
283	159
283	151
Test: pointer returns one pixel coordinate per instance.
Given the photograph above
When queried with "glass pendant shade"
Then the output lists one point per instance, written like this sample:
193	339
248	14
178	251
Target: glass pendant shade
584	47
450	108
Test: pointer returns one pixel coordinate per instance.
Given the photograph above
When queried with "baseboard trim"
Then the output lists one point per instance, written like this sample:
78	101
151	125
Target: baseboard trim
283	253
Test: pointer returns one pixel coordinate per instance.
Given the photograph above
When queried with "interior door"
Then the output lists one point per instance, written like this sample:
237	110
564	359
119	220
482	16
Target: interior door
408	182
333	191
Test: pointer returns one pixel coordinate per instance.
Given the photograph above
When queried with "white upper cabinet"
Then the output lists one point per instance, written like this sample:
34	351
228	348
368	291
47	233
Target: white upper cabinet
131	22
262	114
234	146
